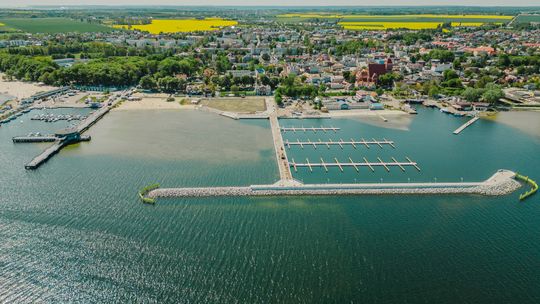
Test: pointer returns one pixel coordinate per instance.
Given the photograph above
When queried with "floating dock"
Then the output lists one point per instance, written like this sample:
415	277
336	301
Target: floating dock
308	129
465	125
341	143
355	164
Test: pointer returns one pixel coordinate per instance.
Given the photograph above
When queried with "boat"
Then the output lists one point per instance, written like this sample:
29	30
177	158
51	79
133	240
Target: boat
444	110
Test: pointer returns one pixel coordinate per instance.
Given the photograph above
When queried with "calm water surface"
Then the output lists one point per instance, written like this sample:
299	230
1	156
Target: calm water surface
74	230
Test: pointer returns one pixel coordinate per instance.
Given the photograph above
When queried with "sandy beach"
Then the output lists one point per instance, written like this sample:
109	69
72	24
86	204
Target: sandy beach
21	89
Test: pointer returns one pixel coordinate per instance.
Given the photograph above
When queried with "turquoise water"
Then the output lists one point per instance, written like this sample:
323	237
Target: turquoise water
74	230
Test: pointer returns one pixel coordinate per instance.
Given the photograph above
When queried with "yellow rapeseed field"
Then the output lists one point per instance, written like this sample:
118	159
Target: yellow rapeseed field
181	25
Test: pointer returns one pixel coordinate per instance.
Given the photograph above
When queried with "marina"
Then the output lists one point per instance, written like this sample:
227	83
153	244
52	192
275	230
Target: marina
341	143
68	136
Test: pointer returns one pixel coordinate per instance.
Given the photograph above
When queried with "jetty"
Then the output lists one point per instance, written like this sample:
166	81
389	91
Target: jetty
306	129
341	143
465	125
500	183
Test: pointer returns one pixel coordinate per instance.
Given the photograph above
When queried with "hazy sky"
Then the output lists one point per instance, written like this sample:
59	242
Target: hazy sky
272	2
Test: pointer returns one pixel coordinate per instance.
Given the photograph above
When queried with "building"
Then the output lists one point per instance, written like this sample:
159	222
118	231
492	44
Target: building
369	76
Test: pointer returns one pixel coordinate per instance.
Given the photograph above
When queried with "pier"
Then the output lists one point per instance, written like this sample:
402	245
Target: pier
355	164
500	183
34	139
45	155
465	125
281	156
341	143
306	129
68	136
47	138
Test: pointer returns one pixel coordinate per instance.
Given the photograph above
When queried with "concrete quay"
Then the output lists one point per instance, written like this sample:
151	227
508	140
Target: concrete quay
281	154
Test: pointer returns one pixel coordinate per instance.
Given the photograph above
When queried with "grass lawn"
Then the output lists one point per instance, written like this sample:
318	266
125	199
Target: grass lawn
235	104
52	25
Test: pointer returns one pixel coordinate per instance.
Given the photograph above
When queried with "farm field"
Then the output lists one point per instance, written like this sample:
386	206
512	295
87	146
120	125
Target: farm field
180	25
389	25
52	25
528	18
404	18
414	22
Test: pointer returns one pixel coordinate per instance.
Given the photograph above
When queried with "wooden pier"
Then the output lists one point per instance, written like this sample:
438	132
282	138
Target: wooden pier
341	143
465	125
355	164
309	129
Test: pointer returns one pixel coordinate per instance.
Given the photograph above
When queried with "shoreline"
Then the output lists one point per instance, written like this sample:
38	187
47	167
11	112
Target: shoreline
365	113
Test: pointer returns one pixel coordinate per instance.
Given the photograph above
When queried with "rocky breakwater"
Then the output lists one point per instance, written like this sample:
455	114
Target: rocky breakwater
500	183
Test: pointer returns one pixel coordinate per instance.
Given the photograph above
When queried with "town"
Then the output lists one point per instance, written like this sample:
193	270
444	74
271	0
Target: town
312	68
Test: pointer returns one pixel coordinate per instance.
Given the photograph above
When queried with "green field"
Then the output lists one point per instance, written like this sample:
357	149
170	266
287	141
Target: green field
293	18
528	18
52	25
235	104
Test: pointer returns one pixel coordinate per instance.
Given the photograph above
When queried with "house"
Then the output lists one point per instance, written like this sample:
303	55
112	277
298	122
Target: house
263	90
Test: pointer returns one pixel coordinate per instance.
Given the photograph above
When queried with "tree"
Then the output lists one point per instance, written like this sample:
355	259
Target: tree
148	82
278	98
492	94
235	89
433	92
472	94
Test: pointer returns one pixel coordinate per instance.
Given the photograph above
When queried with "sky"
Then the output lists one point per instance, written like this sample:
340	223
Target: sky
5	3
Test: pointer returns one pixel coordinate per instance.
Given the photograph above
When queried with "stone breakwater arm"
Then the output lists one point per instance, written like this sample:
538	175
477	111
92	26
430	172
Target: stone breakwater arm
500	183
